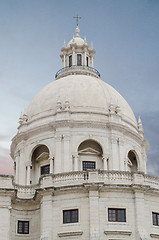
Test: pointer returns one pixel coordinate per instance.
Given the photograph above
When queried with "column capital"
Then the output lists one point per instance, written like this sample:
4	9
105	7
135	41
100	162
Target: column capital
28	164
106	156
75	155
51	158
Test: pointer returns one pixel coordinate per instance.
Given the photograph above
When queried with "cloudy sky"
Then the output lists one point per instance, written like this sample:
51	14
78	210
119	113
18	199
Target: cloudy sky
125	35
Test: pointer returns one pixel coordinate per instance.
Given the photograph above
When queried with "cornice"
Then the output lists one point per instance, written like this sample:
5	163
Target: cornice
70	233
72	124
118	232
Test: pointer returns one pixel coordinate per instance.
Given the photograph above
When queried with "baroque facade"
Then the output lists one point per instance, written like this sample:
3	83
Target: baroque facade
80	162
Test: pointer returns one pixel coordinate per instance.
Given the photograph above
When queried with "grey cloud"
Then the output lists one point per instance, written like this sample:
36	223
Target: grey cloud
151	127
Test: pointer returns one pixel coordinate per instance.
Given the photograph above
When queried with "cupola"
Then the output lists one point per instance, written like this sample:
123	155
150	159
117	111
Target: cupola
77	57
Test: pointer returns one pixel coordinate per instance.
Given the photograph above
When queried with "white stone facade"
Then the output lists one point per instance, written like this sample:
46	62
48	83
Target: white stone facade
79	147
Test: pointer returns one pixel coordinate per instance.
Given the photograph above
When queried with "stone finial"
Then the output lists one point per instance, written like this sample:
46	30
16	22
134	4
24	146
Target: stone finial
77	31
64	44
111	109
85	40
140	127
91	45
25	116
21	118
117	109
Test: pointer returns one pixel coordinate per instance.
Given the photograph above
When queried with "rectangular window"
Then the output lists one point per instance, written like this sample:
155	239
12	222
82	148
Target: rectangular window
70	61
23	227
70	216
79	59
155	219
116	215
88	165
87	61
45	169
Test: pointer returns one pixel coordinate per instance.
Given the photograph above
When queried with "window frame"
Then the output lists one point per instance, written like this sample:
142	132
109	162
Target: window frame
71	216
79	63
70	61
87	61
86	162
156	218
23	227
116	215
42	167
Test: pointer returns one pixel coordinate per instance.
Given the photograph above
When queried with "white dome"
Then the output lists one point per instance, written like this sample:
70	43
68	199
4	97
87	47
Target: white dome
76	40
83	93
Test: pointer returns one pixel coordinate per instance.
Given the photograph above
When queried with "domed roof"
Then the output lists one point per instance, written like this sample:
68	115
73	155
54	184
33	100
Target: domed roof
83	92
77	39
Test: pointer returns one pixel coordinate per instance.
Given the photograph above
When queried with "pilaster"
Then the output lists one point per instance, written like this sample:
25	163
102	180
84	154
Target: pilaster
94	214
139	213
5	219
46	216
75	160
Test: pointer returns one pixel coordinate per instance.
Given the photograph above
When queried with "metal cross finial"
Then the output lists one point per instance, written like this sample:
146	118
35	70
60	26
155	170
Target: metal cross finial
77	18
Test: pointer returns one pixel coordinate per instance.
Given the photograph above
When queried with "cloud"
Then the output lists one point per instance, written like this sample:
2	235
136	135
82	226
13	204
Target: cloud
4	137
151	128
6	163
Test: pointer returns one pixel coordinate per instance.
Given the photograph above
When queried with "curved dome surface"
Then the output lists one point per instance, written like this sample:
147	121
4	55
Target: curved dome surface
76	40
83	92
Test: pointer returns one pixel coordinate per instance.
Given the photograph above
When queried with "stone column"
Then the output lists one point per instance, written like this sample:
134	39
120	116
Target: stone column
67	164
73	56
114	161
28	175
76	159
51	164
84	58
105	162
64	60
17	168
46	217
92	62
94	214
58	154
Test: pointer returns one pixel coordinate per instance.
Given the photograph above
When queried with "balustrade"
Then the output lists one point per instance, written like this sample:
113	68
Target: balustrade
75	68
89	176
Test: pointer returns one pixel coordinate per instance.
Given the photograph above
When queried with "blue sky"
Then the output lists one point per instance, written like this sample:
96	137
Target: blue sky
125	35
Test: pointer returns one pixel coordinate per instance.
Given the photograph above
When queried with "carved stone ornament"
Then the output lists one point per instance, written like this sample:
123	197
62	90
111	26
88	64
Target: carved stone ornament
67	105
59	106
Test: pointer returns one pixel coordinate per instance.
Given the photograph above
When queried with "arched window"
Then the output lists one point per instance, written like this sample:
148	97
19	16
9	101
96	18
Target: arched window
70	60
79	59
132	161
87	61
90	155
40	162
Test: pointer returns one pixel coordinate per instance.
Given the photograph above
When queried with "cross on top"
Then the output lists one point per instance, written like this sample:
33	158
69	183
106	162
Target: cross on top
77	18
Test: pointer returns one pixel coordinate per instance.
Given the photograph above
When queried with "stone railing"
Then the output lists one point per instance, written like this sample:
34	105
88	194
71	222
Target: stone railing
77	69
77	178
25	192
151	181
88	177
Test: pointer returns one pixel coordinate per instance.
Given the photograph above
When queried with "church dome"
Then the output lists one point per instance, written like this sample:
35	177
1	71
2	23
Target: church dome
84	93
77	39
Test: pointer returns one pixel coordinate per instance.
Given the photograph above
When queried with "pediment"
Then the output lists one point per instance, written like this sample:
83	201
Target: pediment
42	156
90	151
